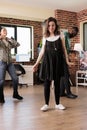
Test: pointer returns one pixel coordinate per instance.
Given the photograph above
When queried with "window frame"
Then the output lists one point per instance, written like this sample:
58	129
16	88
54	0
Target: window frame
15	37
84	42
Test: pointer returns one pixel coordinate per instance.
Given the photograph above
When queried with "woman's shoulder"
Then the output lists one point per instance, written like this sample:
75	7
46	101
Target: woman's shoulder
43	40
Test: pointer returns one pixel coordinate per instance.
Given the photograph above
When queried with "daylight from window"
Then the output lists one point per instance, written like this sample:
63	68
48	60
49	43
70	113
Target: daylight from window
23	37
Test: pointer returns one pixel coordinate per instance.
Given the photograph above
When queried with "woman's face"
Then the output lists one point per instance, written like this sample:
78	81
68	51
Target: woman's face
51	27
3	33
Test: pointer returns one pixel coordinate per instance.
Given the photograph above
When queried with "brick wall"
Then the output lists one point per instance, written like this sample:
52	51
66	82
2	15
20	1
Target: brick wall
66	20
82	16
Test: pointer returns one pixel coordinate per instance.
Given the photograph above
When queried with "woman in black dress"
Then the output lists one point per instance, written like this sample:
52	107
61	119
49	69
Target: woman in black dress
53	54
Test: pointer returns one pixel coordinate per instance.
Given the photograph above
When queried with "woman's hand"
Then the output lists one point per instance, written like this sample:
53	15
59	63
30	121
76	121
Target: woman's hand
35	67
70	64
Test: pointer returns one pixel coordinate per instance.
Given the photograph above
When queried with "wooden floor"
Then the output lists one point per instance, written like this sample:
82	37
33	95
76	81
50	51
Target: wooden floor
26	114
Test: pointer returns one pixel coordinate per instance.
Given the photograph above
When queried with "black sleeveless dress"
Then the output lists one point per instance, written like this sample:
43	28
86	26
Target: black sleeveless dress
53	60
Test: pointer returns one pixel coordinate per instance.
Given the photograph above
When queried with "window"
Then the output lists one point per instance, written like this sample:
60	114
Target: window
85	36
24	36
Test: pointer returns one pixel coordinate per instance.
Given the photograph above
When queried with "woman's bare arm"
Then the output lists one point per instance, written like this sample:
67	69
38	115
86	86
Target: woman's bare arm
35	67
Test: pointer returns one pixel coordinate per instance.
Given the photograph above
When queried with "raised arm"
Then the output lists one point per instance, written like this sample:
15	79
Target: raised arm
13	42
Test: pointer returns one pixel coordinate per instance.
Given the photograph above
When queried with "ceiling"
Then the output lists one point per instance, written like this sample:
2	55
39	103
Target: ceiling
69	5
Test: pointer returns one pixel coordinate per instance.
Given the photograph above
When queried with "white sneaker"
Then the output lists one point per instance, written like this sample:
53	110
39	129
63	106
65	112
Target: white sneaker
60	107
45	108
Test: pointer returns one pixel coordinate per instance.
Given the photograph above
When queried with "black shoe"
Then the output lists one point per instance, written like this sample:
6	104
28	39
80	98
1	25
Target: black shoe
2	101
17	96
72	96
63	95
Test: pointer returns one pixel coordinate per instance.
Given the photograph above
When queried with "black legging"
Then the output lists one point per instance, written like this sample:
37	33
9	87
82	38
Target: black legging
47	85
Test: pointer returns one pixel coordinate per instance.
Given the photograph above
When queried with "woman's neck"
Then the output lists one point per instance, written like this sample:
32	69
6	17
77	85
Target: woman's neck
51	35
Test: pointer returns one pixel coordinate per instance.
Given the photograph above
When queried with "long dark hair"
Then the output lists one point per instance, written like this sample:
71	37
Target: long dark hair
56	32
